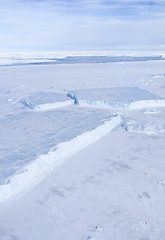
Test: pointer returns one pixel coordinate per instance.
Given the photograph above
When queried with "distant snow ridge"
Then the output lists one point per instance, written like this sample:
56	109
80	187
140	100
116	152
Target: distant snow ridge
68	58
44	163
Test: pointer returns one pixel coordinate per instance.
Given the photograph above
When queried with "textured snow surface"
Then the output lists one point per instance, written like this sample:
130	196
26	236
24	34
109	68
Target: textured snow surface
76	172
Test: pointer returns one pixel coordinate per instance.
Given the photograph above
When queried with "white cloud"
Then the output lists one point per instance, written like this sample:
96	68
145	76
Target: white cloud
83	24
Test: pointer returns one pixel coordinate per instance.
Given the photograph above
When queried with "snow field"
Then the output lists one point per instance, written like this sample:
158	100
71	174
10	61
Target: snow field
113	189
44	163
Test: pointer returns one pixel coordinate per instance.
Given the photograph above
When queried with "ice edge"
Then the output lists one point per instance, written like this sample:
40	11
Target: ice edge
46	106
44	163
130	106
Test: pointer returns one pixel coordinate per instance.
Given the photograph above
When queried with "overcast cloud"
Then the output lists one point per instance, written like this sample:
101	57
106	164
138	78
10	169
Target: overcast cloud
81	24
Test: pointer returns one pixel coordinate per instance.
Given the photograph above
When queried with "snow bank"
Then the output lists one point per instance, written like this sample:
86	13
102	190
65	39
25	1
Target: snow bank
44	163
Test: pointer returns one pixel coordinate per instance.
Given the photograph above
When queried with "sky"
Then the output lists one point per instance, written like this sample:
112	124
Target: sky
82	25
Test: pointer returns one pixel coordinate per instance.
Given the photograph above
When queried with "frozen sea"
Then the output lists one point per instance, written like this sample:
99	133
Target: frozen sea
82	146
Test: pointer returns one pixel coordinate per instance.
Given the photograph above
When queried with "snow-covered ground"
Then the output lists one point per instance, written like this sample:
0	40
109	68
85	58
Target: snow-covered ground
82	148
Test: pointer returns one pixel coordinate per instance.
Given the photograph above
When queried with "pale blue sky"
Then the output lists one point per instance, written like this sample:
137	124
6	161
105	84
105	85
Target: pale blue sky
82	24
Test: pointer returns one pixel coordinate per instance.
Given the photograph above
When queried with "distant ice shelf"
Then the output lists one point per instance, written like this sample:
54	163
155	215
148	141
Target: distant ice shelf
7	60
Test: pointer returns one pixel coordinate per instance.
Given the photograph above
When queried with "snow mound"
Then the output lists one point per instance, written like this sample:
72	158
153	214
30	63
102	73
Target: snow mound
143	127
44	163
46	101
